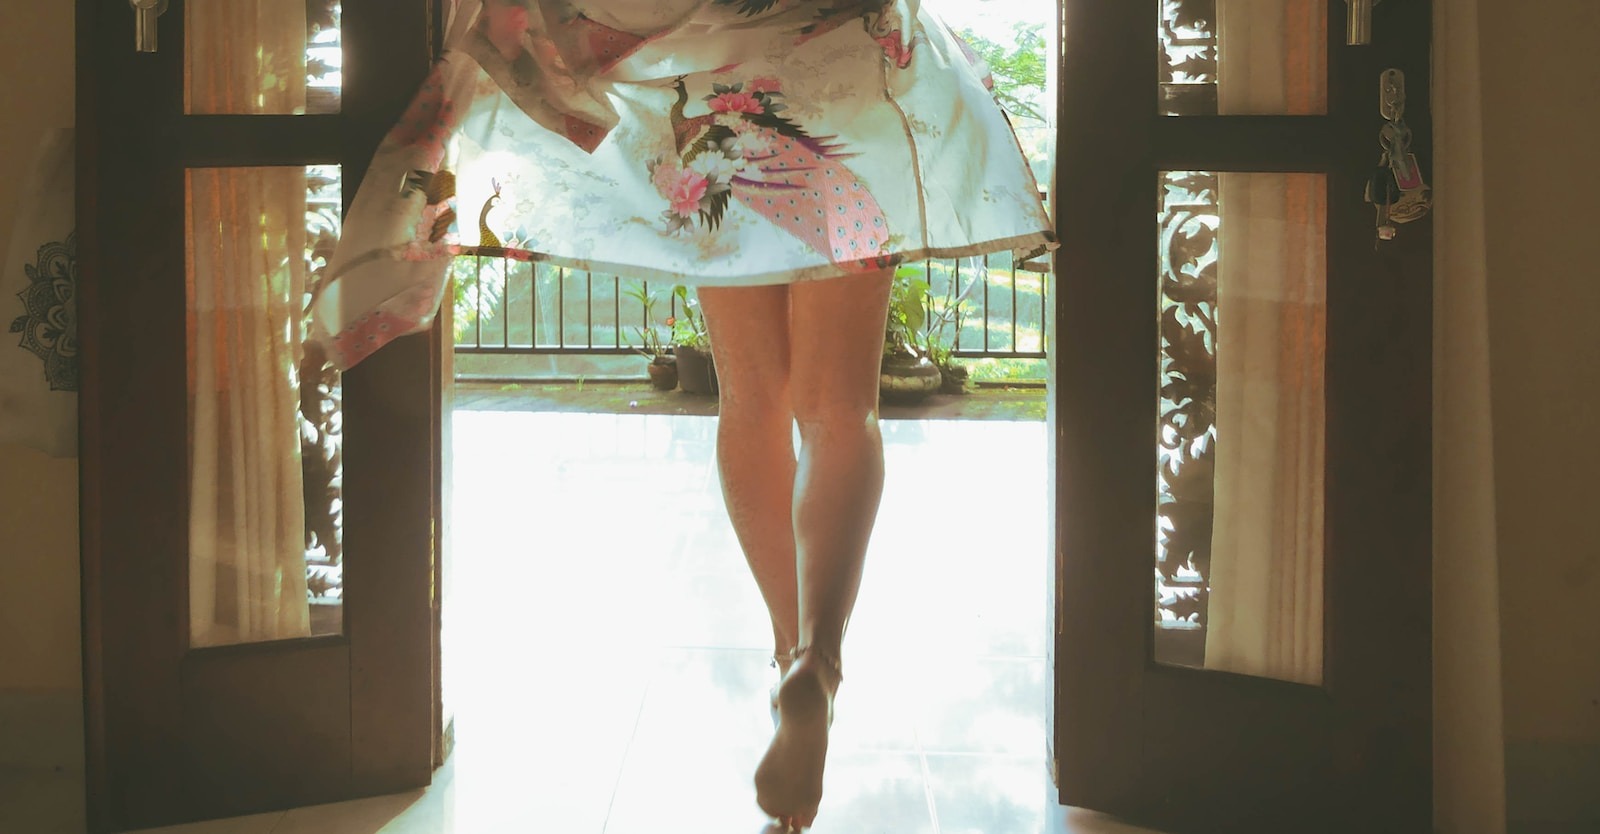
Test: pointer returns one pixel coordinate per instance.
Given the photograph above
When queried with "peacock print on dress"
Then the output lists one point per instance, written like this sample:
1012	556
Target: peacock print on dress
744	148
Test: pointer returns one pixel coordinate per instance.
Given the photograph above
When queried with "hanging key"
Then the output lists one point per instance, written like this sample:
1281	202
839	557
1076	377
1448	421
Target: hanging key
1382	191
145	13
1377	185
1413	197
1386	227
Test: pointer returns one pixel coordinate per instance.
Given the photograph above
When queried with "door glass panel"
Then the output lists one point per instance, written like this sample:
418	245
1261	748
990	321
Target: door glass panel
265	524
1239	544
1243	57
262	57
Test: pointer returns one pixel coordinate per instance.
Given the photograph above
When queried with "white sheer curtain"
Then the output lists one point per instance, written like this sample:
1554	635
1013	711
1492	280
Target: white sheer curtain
245	57
1469	743
1265	615
1265	612
1272	57
247	277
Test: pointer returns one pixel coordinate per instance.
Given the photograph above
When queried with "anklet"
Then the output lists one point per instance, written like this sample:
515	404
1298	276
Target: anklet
827	657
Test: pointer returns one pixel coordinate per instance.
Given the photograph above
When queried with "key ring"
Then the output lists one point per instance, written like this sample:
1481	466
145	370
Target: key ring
1395	138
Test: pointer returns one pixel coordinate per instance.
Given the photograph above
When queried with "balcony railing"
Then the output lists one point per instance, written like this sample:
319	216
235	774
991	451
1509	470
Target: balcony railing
508	307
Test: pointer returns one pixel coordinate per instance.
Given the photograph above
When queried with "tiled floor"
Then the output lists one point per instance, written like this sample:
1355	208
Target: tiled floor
606	648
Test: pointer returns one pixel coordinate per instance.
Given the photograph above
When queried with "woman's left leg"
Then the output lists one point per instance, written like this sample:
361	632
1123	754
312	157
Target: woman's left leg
755	441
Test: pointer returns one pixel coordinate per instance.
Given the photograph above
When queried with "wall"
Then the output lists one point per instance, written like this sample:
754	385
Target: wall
1541	116
40	657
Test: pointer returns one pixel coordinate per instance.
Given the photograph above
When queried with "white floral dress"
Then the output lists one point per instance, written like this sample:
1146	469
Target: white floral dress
702	142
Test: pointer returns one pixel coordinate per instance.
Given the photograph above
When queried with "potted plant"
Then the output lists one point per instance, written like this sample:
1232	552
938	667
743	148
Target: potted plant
663	367
907	374
916	359
691	344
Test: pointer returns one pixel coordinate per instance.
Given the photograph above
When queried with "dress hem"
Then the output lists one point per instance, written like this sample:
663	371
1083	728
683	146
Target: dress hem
1033	245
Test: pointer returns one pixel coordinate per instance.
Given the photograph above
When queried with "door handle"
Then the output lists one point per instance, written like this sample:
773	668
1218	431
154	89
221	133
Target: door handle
145	13
1358	26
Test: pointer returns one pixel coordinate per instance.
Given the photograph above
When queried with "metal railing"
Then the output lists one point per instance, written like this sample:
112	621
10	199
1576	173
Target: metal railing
508	307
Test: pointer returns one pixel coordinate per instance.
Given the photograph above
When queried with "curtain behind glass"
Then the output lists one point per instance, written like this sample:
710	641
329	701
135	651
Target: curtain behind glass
245	57
1266	579
1265	613
1272	57
247	277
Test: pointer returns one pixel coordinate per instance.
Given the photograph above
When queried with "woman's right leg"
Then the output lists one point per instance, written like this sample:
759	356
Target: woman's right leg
836	341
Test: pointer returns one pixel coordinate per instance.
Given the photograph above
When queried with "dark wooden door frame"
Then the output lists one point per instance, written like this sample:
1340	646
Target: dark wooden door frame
1360	747
174	734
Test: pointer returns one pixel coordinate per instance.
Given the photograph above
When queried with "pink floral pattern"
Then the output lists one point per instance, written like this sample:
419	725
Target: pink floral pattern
684	189
735	102
895	50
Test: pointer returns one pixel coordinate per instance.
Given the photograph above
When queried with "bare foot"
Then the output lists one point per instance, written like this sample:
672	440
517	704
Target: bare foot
789	778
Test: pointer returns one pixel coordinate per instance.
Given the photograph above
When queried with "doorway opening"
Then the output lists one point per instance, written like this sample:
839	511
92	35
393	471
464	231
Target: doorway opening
605	649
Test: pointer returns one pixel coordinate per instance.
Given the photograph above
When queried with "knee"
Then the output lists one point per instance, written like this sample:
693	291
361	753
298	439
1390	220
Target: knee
835	415
769	403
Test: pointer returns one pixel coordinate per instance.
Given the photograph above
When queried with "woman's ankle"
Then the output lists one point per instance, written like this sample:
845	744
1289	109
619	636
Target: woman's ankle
820	662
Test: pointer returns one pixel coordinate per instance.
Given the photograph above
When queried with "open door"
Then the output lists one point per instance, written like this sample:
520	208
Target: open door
258	534
1241	419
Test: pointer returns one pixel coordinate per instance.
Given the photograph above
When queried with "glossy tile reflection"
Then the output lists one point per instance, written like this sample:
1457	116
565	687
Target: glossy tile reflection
606	649
600	547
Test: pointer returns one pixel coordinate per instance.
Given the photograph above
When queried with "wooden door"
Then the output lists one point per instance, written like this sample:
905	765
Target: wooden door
179	728
1146	725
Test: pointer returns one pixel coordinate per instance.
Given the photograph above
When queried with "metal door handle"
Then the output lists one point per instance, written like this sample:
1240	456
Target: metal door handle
145	13
1358	28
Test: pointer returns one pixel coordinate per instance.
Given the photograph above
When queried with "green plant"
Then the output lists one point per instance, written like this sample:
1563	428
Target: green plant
918	323
689	328
908	313
1018	67
948	312
651	346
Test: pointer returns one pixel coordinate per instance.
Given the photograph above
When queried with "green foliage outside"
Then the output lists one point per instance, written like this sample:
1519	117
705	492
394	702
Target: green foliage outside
1019	69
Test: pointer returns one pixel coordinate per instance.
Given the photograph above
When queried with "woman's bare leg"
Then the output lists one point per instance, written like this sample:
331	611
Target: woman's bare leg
836	348
755	440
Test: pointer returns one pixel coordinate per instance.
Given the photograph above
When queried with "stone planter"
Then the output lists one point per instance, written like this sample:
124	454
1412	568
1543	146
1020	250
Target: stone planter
905	379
